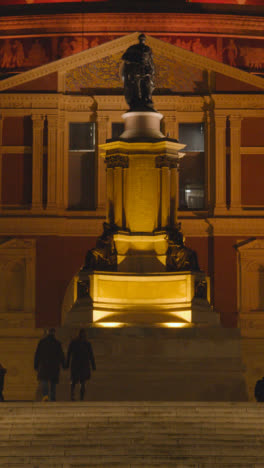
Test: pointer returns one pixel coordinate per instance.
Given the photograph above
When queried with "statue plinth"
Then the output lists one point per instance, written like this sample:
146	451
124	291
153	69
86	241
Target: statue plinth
142	125
140	271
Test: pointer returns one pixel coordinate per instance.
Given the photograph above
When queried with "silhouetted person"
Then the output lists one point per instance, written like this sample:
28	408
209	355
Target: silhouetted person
49	357
259	390
2	377
80	355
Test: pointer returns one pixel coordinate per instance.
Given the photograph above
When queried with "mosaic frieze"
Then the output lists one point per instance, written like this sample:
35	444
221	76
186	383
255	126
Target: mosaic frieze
20	54
170	77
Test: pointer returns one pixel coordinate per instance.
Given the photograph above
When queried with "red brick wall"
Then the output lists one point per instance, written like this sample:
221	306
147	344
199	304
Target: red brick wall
217	257
17	131
252	170
58	260
16	179
252	131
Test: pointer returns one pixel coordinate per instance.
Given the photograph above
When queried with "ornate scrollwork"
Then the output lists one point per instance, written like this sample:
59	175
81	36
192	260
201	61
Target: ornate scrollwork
166	161
117	161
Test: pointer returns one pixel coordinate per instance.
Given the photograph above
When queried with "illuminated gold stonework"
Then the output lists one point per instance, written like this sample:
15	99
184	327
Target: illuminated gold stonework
140	271
147	298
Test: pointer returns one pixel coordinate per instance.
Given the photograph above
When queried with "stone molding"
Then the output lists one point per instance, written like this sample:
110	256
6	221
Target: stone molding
250	269
245	102
124	22
118	45
252	150
13	252
91	225
117	161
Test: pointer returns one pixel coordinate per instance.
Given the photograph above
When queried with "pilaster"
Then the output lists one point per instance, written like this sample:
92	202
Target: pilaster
118	196
110	195
235	161
1	157
61	197
102	121
52	161
165	196
37	163
220	164
174	195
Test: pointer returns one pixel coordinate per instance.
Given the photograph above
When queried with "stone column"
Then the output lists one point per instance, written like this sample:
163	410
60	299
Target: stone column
110	195
174	194
52	161
118	196
235	162
165	196
1	157
37	163
220	164
101	176
60	195
208	161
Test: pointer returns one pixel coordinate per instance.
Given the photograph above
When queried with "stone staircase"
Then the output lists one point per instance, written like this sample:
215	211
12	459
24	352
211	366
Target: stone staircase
131	434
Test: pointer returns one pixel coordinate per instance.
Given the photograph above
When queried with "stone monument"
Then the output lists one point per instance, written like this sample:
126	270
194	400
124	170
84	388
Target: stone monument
140	271
141	293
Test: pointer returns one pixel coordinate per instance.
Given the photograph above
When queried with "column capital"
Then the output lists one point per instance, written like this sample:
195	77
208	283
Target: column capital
235	120
220	120
102	117
52	120
38	120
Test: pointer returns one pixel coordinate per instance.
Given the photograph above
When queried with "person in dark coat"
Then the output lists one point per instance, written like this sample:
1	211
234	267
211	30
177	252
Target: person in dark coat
49	357
80	354
259	390
2	377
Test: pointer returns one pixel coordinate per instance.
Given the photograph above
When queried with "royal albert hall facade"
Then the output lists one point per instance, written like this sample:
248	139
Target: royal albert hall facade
61	96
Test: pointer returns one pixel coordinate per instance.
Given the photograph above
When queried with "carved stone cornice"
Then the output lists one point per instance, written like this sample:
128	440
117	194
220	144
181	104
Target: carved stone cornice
128	22
117	161
28	101
76	103
241	101
167	161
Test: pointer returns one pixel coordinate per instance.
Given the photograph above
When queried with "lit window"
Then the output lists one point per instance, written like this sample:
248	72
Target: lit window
82	173
191	179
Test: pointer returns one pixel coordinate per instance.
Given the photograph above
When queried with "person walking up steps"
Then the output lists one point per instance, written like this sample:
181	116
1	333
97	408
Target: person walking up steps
49	357
80	355
2	377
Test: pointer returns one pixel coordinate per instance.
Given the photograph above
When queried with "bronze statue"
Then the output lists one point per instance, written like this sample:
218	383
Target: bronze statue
179	257
138	75
103	256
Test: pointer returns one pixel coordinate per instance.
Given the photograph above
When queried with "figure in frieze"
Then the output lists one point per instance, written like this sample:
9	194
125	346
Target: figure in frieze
65	47
94	42
79	43
6	54
18	54
197	47
183	44
232	52
253	57
37	55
